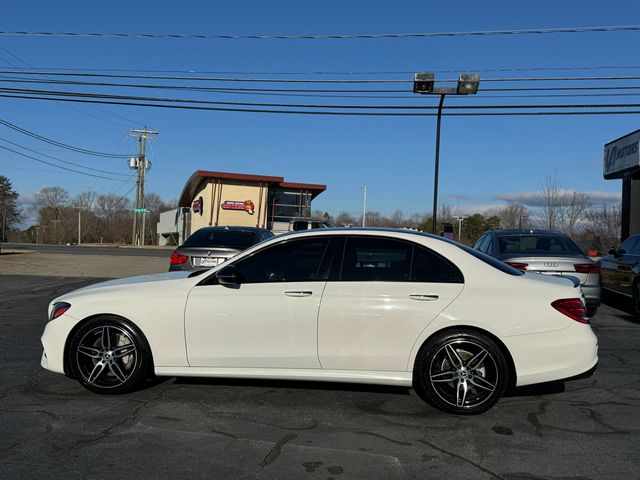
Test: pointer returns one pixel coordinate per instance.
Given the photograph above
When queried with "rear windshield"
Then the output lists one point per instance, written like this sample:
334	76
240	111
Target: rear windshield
536	244
222	238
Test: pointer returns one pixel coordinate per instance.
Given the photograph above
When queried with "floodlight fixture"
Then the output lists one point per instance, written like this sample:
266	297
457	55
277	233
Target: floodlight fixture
468	83
423	82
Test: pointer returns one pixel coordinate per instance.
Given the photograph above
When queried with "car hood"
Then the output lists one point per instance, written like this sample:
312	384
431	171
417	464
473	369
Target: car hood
138	280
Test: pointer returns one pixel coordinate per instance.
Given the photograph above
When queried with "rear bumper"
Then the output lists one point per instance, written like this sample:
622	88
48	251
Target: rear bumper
550	356
591	294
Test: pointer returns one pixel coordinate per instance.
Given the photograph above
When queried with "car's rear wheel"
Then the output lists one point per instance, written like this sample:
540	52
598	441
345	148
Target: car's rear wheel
462	372
109	355
636	297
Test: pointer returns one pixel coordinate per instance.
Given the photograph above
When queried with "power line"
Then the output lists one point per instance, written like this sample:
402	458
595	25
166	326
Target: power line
290	92
59	144
309	112
343	72
534	31
299	105
61	160
59	166
314	80
95	107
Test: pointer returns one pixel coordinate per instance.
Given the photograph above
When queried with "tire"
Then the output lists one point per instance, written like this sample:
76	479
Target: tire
108	355
462	372
591	311
636	298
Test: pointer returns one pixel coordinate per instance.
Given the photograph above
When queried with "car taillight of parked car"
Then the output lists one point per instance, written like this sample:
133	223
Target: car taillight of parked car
587	268
518	265
572	308
177	259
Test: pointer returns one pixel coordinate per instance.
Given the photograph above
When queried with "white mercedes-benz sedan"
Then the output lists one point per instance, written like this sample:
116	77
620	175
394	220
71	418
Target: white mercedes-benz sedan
383	306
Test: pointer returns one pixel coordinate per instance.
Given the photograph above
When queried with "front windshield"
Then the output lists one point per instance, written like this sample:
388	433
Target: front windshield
240	239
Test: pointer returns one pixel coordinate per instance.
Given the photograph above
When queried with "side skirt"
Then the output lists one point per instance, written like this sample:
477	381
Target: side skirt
403	379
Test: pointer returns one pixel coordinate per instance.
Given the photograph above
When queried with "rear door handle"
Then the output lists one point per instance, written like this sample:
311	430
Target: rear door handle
298	293
424	298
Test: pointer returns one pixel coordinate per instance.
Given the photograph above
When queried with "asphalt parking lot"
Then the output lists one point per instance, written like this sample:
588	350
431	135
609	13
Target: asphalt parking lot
194	428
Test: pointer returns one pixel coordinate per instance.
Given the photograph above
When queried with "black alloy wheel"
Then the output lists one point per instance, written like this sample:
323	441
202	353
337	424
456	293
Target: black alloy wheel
462	372
109	355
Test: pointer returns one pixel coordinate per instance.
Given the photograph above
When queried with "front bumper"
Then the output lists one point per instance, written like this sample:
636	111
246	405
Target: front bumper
54	341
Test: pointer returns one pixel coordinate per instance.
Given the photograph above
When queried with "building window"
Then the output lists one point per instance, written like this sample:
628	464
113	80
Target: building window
286	205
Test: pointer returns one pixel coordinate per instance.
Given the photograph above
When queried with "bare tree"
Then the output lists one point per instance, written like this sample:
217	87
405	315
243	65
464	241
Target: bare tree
345	219
551	198
397	219
514	215
85	200
574	206
602	226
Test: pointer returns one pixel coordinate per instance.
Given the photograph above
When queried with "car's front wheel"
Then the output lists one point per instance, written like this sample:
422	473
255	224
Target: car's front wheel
462	372
109	355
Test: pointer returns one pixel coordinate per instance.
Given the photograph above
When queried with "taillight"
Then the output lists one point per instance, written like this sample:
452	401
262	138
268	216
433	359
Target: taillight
58	309
572	308
177	259
587	268
518	265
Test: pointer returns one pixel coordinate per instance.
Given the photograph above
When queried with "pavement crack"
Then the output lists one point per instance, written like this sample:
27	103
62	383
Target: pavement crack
459	457
274	453
373	434
109	430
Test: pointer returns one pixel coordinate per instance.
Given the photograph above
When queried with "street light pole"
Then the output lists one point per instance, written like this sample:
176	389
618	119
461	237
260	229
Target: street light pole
364	207
423	83
435	176
79	223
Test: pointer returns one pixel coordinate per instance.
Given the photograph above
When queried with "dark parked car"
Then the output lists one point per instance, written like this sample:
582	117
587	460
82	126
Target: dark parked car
547	252
621	270
210	246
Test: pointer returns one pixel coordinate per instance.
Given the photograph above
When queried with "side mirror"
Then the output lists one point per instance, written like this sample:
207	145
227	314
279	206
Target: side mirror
612	251
227	275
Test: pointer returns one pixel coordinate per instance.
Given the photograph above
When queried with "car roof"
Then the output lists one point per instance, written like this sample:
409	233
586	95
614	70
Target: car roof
526	231
236	228
361	231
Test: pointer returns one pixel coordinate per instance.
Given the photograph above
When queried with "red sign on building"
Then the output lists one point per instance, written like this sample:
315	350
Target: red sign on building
247	206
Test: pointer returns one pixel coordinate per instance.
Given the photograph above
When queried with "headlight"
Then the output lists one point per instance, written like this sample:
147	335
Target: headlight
58	309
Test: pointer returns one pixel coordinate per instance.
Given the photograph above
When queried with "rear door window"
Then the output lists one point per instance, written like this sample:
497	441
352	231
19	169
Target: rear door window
376	259
430	267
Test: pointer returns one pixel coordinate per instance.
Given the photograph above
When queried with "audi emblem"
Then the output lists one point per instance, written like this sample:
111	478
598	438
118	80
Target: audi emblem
551	264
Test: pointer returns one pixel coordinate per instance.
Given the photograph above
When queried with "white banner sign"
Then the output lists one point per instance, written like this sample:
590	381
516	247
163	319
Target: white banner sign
622	154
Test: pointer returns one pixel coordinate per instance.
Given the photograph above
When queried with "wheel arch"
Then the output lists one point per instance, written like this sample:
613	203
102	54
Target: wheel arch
511	367
67	345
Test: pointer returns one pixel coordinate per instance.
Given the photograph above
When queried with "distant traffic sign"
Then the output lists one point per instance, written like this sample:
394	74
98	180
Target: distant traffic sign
141	210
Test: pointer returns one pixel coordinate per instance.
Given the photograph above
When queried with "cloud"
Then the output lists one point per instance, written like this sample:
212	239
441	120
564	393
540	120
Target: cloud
536	198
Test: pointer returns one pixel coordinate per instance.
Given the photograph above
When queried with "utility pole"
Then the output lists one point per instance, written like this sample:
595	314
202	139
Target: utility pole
364	208
79	222
55	230
141	165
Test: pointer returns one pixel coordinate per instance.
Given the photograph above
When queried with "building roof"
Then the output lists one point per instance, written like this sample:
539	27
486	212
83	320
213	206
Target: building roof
199	177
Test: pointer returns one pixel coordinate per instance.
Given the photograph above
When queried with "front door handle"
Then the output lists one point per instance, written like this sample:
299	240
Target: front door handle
298	293
424	298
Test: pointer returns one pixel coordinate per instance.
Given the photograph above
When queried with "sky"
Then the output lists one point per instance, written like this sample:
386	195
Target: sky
484	161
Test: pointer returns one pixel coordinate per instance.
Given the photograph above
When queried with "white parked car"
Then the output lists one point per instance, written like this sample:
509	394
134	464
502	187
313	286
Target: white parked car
393	307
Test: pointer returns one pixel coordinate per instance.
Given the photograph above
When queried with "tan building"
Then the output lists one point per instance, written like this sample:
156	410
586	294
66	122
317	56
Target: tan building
236	199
